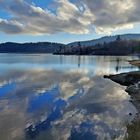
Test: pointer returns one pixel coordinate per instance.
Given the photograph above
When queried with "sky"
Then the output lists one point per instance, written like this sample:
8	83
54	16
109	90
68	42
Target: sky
66	21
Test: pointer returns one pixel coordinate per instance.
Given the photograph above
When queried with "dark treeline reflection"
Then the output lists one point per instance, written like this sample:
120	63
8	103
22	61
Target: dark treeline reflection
46	97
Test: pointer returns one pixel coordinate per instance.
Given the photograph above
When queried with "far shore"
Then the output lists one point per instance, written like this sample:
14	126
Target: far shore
135	63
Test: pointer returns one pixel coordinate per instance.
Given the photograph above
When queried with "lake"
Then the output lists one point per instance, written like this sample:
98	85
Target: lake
46	97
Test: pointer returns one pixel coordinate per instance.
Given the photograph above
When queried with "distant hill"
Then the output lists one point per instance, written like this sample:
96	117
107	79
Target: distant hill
40	47
111	45
106	39
108	45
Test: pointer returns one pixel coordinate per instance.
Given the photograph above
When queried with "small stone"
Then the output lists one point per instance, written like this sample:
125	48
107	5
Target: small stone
130	114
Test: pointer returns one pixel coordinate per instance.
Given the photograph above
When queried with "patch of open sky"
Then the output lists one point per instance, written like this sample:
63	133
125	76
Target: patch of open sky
4	14
79	4
46	4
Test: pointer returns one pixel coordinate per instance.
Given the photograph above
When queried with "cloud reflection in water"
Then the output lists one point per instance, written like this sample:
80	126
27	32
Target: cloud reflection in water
66	105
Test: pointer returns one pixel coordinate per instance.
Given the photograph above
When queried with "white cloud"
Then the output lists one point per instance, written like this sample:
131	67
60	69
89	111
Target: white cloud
109	30
77	18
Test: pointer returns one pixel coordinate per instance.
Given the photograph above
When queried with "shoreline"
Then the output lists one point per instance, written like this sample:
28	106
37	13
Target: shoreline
132	82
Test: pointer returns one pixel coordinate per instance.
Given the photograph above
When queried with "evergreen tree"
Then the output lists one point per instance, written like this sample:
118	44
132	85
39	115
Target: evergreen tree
118	38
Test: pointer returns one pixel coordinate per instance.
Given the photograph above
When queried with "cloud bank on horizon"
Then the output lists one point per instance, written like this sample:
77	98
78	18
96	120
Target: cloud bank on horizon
70	16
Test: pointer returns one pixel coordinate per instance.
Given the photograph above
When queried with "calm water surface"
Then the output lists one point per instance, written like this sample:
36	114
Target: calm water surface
46	97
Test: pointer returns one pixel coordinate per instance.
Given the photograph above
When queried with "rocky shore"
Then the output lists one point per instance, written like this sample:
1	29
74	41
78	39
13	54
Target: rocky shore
132	82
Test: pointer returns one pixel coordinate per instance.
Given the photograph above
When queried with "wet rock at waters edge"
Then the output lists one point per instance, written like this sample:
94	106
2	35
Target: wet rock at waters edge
125	79
132	81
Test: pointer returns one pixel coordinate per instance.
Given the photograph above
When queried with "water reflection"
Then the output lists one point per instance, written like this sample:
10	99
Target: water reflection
97	63
47	98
